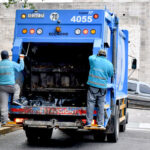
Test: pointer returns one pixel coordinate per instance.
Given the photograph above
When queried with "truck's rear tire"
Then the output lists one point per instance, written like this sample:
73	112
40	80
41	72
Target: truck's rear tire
35	134
113	137
122	127
100	137
31	135
127	117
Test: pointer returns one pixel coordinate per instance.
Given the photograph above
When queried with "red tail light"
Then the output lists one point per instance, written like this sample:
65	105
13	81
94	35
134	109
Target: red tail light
84	121
94	122
85	31
32	31
19	120
96	16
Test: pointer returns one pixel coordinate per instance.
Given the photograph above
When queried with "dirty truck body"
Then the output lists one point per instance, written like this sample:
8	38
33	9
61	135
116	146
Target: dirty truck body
53	84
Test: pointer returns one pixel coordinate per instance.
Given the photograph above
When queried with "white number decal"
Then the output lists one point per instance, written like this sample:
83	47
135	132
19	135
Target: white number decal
89	18
54	16
84	18
73	19
81	19
90	12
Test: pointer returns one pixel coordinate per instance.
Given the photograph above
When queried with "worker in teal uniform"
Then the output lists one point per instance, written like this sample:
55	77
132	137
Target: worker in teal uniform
101	70
7	84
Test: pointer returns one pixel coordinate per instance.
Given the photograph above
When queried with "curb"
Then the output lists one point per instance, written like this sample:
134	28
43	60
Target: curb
9	128
139	126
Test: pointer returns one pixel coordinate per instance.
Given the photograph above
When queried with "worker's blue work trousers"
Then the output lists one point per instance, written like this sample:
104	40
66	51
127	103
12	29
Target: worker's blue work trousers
95	95
5	90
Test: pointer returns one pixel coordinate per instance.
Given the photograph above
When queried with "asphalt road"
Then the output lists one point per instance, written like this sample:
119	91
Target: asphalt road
136	137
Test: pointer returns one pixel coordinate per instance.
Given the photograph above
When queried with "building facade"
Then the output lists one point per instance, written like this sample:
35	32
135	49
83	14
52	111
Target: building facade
133	15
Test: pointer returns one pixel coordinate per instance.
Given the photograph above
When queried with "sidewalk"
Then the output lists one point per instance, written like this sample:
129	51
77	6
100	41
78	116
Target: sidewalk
10	128
138	126
139	119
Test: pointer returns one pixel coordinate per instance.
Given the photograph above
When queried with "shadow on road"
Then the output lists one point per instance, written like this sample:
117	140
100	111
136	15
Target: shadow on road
65	142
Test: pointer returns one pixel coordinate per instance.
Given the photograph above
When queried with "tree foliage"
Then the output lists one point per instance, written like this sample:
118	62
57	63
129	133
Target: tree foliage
25	4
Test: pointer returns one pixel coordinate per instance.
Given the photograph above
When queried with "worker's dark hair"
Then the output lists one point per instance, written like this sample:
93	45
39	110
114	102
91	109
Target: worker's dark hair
4	54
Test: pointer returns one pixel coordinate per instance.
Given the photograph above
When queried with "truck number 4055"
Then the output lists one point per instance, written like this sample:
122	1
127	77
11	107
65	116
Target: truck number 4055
81	19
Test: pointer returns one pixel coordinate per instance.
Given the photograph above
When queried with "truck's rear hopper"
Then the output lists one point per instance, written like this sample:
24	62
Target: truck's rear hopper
58	43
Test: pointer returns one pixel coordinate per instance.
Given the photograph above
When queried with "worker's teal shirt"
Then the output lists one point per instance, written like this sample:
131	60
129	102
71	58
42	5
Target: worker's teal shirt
100	70
7	71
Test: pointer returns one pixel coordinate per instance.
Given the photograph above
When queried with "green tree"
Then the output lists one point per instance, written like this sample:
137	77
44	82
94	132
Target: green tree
25	4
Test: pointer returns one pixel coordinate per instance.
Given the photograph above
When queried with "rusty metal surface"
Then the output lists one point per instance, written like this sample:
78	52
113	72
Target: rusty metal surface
73	111
53	123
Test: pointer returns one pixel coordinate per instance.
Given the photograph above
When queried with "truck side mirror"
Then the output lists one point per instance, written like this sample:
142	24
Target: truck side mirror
134	63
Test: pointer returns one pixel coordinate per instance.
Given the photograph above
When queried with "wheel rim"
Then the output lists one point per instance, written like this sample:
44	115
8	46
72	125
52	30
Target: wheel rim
117	127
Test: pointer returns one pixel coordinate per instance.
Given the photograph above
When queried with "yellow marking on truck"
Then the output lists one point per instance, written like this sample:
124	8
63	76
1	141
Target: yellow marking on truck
94	128
122	119
122	106
11	122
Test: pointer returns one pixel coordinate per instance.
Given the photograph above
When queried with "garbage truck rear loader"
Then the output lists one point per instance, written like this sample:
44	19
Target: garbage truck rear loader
57	44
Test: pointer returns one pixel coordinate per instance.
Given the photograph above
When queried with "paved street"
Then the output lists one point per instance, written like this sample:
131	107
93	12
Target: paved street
137	137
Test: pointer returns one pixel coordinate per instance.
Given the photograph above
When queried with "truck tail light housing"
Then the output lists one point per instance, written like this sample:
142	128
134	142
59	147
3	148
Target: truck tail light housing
19	120
39	31
84	121
94	122
78	31
93	31
58	29
95	16
23	16
32	31
85	31
24	31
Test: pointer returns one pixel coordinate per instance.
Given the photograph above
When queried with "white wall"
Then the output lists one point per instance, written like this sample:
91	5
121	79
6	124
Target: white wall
135	19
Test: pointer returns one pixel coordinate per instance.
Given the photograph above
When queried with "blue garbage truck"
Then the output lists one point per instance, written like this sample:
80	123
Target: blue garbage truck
57	44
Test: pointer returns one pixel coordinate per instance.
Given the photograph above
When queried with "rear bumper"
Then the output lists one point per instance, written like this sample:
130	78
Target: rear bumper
53	123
